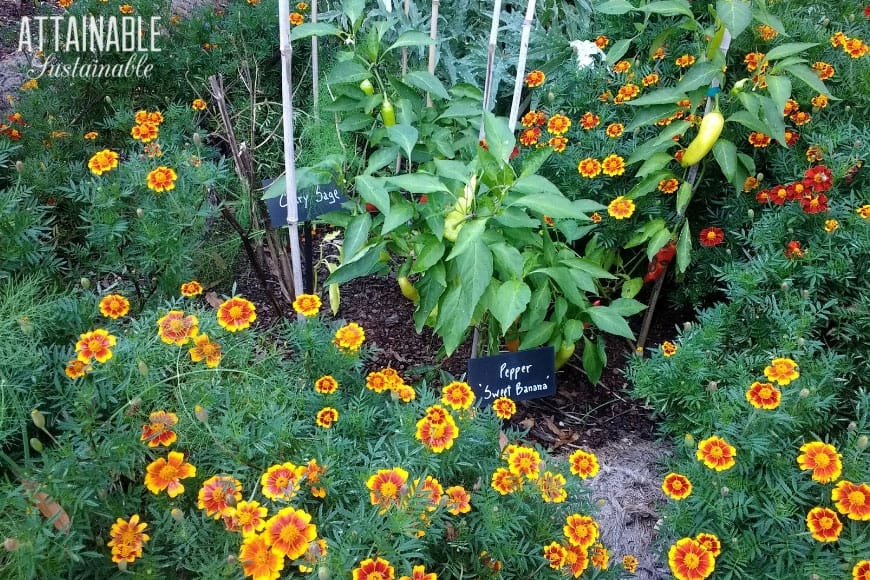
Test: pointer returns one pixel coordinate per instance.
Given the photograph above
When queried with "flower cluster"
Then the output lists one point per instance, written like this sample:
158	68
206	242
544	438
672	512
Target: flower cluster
694	558
854	47
128	537
571	555
437	429
808	192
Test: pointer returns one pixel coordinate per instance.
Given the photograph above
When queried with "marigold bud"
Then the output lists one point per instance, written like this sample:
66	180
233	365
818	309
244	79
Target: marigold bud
324	573
805	293
785	285
177	514
687	325
11	544
801	341
805	392
108	99
712	387
852	426
19	166
85	283
689	439
200	413
133	406
140	212
861	443
36	444
231	559
122	565
38	418
751	213
143	368
725	491
197	140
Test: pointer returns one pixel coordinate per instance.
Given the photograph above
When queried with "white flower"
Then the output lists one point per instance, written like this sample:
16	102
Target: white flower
585	50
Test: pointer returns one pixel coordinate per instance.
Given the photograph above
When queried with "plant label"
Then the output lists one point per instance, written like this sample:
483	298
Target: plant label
526	374
312	202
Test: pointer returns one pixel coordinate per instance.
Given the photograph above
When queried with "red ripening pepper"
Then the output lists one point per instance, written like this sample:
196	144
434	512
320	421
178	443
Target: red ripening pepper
660	262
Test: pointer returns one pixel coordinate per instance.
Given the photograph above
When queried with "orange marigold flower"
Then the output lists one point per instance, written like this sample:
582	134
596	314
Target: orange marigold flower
281	481
659	53
534	118
90	135
791	137
689	560
630	563
349	337
552	487
419	573
589	121
621	208
822	459
676	486
127	539
236	314
504	408
556	554
819	101
260	559
763	395
669	185
669	349
650	79
437	436
307	305
103	161
377	569
627	92
249	517
800	118
838	39
126	9
852	500
530	136
535	79
589	167
601	41
431	490
622	66
824	524
753	60
296	19
191	289
76	369
861	570
613	165
376	381
458	500
155	117
326	385
791	106
711	236
576	560
290	532
96	344
166	474
326	417
824	70
207	350
863	211
524	462
600	557
558	124
759	140
583	464
750	183
831	226
145	132
782	371
457	395
855	48
766	32
581	530
605	96
595	217
114	306
162	179
158	431
558	144
614	130
716	453
198	105
710	542
215	493
685	60
176	328
505	482
387	487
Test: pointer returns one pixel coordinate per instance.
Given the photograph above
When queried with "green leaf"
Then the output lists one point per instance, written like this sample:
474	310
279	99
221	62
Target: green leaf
699	75
650	115
537	335
788	49
426	82
631	287
364	264
654	163
347	71
470	234
562	277
405	136
593	361
627	306
514	217
647	184
430	286
499	137
461	109
617	51
353	9
809	76
668	8
400	212
309	29
747	162
454	318
660	143
356	235
355	122
648	230
429	251
666	95
381	158
418	183
767	18
510	301
475	267
725	153
749	121
736	15
608	320
373	191
773	118
779	88
589	266
684	248
533	161
658	241
684	196
507	259
615	7
411	38
455	170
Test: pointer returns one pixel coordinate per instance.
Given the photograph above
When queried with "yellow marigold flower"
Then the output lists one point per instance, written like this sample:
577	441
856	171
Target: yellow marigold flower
676	486
800	118
556	554
162	179
581	530
685	61
146	132
659	54
613	165
349	337
96	344
855	48
621	208
766	32
458	500
558	144
326	417
600	556
689	560
176	328
437	435
601	41
614	130
622	66
589	167
457	395
127	539
831	226
76	369
281	481
763	396
296	19
838	39
388	487
198	105
583	464
824	524
505	482
236	314
191	289
552	487
750	183
260	559
504	408
630	563
166	474
326	385
558	124
524	462
716	453
158	431
782	371
372	569
852	500
820	101
114	306
207	350
863	211
28	85
91	135
759	140
824	70
822	459
595	217
710	542
535	79
307	305
650	79
103	161
290	532
126	9
669	185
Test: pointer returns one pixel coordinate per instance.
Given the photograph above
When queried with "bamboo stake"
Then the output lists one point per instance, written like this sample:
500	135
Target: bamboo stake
433	34
289	153
405	48
490	62
315	64
521	65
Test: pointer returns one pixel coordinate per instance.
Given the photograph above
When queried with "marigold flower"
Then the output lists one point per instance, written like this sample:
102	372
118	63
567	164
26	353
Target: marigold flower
689	560
779	194
710	542
819	101
759	140
176	328
290	532
863	211
589	167
158	431
824	524
622	66
601	41
535	79
822	459
90	135
457	395
558	124
326	385
782	371
791	137
146	132
95	344
852	500
659	53
103	161
126	9
669	185
419	573
600	556
524	462
750	183
127	539
207	350
800	118
236	314
650	79
191	289
855	48
621	208
813	204
558	144
630	563
711	236
349	337
831	226
669	349
819	178
595	217
326	417
376	381
260	559
387	487
583	464
581	530
307	305
162	179
114	306
676	486
198	105
76	369
716	453
838	39
377	569
505	482
766	32
296	19
530	136
431	489
29	85
753	60
614	130
552	487
281	481
861	570
166	474
824	70
437	436
627	92
763	395
685	61
533	118
504	408
458	500
556	554
249	516
213	496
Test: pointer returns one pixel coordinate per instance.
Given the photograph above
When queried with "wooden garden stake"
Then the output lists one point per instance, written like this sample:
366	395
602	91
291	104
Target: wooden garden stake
521	65
315	64
433	34
490	62
405	48
289	153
